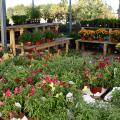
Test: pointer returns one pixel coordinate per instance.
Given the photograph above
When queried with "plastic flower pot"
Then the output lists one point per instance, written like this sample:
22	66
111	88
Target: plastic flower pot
94	90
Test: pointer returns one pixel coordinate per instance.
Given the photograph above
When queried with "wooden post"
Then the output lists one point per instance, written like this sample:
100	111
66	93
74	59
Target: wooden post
56	28
36	29
43	28
77	45
109	34
48	28
12	41
67	47
109	49
21	31
83	47
22	46
105	49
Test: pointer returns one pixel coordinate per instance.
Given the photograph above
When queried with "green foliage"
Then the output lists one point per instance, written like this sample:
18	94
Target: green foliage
33	13
25	37
110	23
19	19
92	9
37	36
49	34
116	98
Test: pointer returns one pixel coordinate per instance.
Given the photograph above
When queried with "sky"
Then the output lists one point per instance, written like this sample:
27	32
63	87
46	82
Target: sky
10	3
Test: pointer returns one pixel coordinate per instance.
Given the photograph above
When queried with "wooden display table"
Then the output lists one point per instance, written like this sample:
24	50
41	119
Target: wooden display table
105	44
56	42
22	28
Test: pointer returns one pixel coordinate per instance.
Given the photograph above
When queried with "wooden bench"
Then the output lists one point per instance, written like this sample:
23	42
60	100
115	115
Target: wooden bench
105	44
56	42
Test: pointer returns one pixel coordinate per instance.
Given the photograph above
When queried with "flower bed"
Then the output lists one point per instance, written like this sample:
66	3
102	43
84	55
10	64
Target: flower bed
50	88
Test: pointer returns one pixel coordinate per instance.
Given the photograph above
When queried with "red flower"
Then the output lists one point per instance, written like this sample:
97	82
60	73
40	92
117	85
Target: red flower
61	83
43	86
17	80
8	93
16	91
54	80
39	70
101	75
101	64
45	65
29	80
46	57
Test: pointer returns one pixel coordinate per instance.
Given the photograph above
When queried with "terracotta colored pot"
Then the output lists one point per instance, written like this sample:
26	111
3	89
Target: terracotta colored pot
90	39
96	89
83	38
38	43
101	39
28	43
113	40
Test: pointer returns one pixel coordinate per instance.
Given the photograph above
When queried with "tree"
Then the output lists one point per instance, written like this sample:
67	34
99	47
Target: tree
92	9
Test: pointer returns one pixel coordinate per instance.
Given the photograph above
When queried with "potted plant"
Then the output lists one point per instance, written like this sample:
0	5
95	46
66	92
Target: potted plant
89	35
26	38
49	36
101	33
37	37
115	36
82	33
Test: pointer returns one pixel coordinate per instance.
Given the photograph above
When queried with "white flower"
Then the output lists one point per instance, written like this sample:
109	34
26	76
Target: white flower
13	118
88	99
71	82
24	118
69	97
18	105
43	99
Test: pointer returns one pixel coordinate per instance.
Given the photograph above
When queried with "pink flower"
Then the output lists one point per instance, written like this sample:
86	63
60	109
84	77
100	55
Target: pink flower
32	91
44	82
48	78
16	91
8	93
21	88
34	72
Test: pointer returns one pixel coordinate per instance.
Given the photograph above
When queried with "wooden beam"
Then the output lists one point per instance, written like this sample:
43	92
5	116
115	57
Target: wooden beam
12	41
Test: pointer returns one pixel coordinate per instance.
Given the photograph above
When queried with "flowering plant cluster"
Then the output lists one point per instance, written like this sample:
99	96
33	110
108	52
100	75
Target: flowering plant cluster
49	88
101	33
86	33
101	75
115	34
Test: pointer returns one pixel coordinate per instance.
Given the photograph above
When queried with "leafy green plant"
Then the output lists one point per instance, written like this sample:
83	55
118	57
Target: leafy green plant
19	19
36	36
25	37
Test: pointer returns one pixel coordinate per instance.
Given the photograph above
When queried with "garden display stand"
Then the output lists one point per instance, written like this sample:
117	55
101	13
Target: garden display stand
105	44
56	42
22	28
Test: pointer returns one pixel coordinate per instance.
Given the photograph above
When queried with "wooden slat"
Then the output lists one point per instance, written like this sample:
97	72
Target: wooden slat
95	41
